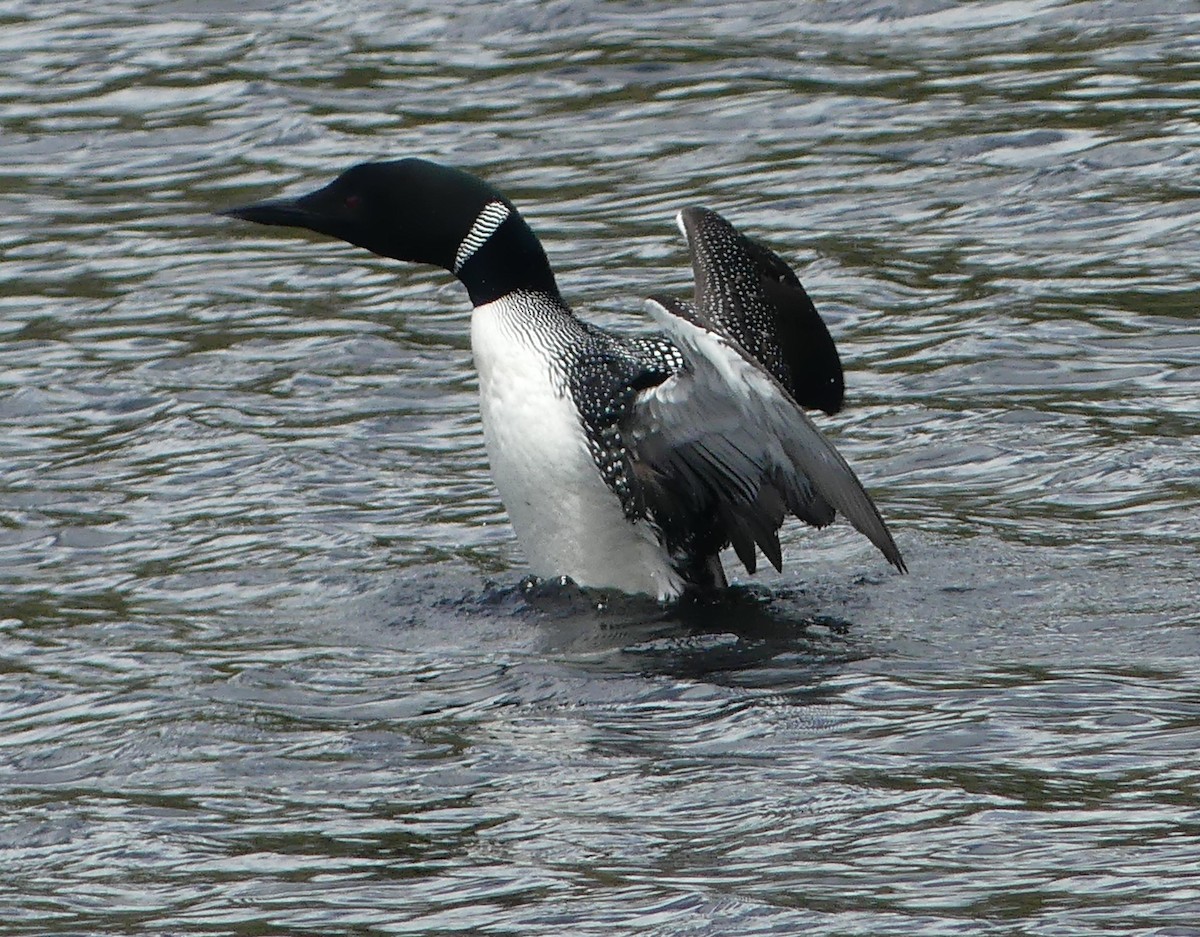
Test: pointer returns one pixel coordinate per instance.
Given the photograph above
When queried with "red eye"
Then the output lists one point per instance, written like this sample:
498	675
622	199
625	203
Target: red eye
354	202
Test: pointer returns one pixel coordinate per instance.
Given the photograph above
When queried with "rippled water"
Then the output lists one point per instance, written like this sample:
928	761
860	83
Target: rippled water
266	668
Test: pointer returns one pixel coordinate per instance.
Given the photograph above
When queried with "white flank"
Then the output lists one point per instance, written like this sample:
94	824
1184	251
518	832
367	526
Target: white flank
568	521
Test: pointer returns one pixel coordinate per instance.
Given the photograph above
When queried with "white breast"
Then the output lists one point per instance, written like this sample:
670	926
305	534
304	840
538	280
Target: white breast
568	522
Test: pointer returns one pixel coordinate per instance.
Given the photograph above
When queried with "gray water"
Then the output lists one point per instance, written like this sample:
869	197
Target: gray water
266	664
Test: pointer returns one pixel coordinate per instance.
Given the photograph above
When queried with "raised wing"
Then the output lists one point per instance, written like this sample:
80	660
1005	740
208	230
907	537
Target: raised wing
751	293
721	451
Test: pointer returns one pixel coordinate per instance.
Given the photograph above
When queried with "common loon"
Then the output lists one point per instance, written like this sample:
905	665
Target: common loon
624	462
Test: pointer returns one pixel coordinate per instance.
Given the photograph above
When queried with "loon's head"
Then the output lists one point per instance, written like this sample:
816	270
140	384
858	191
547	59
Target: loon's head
422	212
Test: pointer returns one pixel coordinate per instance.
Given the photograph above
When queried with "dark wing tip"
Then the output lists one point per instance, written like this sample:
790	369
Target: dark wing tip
817	380
691	215
879	534
752	294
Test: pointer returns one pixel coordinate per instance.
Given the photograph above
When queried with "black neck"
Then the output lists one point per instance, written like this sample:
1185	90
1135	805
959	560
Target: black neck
512	259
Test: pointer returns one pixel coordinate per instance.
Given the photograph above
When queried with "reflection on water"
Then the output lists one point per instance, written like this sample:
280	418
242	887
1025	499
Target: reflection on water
267	662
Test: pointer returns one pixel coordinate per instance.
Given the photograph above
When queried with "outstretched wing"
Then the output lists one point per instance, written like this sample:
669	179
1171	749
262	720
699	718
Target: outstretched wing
751	293
721	449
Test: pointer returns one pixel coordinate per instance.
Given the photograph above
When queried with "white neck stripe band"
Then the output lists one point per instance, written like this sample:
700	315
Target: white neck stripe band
485	226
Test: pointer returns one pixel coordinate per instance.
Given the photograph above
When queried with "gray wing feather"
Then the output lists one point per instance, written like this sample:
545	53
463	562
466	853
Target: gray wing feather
726	430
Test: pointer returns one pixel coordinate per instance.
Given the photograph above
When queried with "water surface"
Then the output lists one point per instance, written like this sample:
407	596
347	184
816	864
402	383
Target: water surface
267	665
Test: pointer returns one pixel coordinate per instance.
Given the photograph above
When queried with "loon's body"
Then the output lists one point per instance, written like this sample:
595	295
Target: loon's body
624	462
566	515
